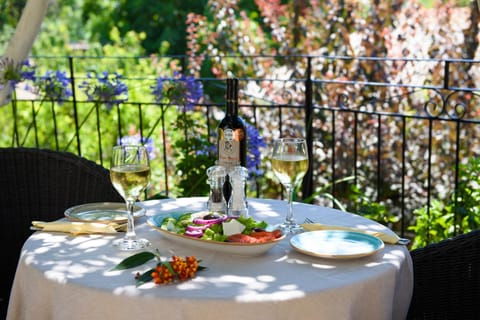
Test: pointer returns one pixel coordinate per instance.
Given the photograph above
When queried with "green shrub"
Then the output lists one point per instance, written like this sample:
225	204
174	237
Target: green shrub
460	213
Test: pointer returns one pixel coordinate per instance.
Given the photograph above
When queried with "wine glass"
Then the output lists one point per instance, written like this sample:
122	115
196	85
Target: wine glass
290	164
130	174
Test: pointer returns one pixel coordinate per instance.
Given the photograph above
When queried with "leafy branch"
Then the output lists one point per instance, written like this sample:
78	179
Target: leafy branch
165	271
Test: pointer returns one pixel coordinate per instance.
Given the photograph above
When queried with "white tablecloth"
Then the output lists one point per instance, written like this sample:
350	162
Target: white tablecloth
66	277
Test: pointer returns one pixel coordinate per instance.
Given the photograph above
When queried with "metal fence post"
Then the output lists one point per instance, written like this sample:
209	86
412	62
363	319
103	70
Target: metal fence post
74	102
308	179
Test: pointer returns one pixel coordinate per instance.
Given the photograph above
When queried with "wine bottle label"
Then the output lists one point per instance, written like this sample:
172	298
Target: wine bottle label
228	134
229	147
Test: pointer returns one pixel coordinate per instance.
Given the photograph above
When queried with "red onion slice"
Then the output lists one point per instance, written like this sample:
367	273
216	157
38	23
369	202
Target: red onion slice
196	228
209	221
194	233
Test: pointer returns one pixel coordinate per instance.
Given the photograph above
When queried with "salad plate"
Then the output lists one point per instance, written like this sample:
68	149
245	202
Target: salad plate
236	248
102	212
336	244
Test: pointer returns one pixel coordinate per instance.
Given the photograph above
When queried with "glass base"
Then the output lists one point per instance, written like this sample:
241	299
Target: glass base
291	228
131	244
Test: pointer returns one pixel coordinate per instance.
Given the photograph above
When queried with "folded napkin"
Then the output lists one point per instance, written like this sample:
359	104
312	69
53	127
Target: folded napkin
75	227
389	237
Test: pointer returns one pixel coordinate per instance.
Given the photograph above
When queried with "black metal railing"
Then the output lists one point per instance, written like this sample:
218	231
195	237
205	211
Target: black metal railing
395	142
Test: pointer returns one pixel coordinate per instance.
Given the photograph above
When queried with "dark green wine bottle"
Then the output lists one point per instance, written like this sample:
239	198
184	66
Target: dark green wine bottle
232	136
232	133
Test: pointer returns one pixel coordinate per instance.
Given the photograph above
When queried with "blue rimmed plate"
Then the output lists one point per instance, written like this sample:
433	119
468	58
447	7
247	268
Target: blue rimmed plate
336	244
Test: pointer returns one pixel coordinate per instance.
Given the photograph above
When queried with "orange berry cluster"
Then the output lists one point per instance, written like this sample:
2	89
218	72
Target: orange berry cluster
183	269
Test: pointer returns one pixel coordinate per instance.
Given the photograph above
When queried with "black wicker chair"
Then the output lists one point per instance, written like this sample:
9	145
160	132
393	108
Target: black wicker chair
447	279
37	184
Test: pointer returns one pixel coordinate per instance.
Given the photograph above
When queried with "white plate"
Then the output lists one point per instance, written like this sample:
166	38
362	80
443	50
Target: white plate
245	249
102	212
336	244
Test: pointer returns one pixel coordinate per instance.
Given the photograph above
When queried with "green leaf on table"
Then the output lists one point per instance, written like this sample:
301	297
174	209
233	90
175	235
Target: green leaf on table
135	260
145	277
169	267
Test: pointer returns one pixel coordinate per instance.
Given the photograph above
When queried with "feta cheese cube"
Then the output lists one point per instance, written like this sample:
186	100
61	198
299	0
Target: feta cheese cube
232	227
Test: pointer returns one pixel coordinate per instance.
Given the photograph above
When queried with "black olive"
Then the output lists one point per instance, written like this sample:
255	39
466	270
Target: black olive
211	216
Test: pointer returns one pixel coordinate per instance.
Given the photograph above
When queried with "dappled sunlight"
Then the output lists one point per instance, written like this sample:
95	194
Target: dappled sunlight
61	271
130	290
265	210
252	283
323	266
62	264
63	258
394	256
249	288
89	245
282	294
49	240
172	205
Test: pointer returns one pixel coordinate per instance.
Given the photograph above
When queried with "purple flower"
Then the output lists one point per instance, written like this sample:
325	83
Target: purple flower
55	85
180	90
12	72
157	90
254	155
105	88
206	150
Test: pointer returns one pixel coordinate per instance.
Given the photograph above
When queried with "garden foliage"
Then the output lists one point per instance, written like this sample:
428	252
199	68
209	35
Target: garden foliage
266	45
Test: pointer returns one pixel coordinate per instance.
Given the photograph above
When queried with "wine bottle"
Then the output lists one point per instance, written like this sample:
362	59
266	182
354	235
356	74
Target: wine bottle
232	137
232	133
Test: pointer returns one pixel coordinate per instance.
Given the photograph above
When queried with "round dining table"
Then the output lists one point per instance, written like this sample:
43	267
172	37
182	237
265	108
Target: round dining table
61	276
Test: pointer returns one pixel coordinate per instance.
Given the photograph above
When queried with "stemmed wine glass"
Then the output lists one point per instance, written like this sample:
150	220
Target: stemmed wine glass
130	175
290	164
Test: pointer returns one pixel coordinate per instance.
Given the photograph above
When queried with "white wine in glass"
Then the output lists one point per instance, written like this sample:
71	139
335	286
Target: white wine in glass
130	175
290	164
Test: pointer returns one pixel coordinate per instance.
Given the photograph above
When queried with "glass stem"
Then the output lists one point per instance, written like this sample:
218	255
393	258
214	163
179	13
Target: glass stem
130	235
289	219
